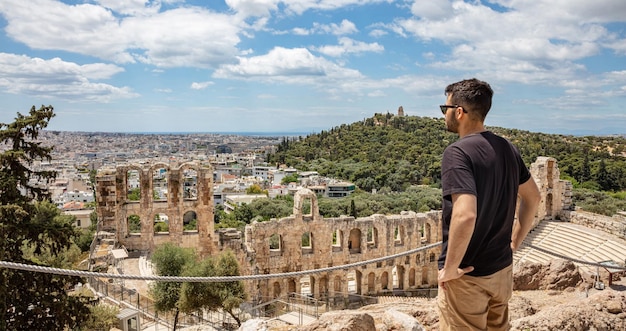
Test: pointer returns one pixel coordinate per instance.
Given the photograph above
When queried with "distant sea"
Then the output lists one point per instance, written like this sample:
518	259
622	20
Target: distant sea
248	134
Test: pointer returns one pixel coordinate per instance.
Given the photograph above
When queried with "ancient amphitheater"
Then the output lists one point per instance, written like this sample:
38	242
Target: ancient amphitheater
309	241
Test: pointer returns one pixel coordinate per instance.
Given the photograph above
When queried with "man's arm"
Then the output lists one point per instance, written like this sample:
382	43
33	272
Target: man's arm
462	225
529	202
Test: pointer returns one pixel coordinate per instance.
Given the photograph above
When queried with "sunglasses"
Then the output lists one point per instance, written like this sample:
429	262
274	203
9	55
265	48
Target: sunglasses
444	108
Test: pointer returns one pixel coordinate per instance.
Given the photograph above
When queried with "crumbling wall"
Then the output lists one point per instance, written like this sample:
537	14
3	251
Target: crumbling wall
556	194
307	242
302	241
115	207
615	225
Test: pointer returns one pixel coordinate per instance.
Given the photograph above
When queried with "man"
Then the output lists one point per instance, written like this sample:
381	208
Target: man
482	175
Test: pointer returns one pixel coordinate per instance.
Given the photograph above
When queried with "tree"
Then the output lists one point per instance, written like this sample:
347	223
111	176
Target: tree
256	189
293	178
102	317
243	213
38	300
170	260
214	295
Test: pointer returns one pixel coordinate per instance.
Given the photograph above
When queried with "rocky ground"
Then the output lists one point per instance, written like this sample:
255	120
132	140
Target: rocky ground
546	297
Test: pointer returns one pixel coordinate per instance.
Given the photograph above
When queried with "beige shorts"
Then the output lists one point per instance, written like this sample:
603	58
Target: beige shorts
476	303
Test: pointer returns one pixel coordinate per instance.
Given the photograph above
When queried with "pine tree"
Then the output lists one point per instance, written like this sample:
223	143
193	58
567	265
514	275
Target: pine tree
31	300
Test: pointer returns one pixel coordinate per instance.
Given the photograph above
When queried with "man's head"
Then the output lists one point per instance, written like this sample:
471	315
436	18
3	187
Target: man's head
473	95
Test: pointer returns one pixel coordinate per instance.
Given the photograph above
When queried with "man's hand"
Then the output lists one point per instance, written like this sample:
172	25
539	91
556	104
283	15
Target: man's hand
450	274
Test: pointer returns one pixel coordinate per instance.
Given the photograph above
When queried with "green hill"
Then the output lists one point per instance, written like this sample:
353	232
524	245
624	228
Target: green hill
392	153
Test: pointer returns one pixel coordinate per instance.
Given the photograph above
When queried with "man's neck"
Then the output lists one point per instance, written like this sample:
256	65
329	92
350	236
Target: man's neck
475	127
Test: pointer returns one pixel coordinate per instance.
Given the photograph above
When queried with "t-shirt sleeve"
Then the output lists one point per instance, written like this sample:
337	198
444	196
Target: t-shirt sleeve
456	173
524	174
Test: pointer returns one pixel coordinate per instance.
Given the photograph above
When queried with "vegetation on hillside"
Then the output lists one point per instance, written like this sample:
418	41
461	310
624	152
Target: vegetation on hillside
417	198
32	232
392	153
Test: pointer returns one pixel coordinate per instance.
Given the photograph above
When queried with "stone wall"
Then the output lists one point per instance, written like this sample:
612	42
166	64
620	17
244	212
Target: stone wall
615	225
556	194
309	241
295	243
173	202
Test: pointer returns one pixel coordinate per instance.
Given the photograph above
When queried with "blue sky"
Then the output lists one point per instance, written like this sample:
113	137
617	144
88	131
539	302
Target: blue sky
557	66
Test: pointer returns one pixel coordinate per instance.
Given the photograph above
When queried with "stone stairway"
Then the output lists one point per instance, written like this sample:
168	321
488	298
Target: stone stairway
573	241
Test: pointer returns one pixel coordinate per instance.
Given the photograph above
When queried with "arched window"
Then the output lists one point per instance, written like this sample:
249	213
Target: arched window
337	240
190	184
276	245
159	184
161	223
190	222
354	242
307	243
372	237
133	223
133	186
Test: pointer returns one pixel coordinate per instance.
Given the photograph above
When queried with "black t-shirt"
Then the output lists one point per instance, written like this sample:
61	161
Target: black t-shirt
490	168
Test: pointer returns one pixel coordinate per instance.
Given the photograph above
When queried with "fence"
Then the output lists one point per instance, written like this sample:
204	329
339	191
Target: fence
145	305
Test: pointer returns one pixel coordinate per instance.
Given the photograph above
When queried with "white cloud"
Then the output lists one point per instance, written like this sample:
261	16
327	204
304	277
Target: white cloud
248	8
201	85
294	66
377	94
20	74
349	46
529	41
185	36
431	9
377	33
345	27
131	7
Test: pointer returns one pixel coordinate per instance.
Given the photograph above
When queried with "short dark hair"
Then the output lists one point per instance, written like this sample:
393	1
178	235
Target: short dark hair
473	95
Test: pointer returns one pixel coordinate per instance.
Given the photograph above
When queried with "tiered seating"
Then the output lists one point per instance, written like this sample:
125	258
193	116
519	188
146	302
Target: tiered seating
573	241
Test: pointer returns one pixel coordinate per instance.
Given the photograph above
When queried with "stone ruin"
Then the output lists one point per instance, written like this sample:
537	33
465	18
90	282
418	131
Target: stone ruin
178	194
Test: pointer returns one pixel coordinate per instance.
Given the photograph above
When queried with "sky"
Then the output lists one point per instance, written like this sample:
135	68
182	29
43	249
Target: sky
556	66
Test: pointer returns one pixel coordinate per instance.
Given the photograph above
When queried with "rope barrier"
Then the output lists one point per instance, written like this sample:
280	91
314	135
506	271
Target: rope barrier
79	273
69	272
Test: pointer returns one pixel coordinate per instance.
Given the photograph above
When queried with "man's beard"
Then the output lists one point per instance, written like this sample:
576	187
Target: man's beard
452	125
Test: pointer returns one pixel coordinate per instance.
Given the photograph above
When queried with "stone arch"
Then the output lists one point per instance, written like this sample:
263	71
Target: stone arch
428	232
372	237
306	243
275	244
336	241
159	173
276	290
398	277
358	278
337	283
371	283
425	275
432	257
133	224
189	181
190	221
398	235
354	241
418	258
161	223
384	280
324	286
291	285
412	277
298	203
132	180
